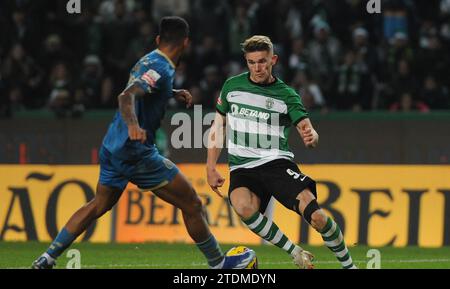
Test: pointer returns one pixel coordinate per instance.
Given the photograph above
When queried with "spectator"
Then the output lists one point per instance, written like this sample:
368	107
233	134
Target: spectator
210	86
141	15
309	91
403	80
91	84
111	10
108	98
403	50
117	37
406	103
293	22
324	52
235	67
20	30
208	53
367	61
395	19
432	57
445	20
240	28
163	8
298	59
61	97
210	19
181	80
143	44
5	106
16	99
435	96
23	76
398	50
349	84
54	52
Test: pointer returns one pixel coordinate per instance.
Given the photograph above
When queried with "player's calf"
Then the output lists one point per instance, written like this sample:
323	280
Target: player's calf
330	231
105	199
100	208
244	211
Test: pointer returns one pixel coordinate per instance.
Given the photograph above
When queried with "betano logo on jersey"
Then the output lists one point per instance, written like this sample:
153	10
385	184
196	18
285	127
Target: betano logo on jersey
249	112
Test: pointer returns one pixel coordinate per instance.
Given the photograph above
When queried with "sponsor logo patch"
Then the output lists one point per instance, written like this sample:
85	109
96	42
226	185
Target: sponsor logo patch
151	77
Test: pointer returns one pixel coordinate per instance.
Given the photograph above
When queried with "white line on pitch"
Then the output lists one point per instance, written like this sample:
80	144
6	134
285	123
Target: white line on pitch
263	263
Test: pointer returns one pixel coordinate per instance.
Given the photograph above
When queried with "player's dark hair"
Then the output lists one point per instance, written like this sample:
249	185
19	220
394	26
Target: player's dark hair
173	30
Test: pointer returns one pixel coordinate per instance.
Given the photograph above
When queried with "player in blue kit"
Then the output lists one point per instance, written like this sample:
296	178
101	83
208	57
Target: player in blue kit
128	153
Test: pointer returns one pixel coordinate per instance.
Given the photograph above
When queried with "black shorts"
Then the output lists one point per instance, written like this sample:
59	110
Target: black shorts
279	178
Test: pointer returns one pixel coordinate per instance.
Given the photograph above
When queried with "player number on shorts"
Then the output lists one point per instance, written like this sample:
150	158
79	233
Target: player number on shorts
296	175
292	173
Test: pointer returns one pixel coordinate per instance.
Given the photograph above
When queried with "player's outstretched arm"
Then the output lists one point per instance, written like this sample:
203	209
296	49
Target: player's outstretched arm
126	107
308	134
216	139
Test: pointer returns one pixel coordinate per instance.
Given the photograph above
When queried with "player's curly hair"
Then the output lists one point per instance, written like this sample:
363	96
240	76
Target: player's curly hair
257	43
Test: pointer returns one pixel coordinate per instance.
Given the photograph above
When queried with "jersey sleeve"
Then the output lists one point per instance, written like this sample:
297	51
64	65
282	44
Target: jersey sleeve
222	105
296	110
149	78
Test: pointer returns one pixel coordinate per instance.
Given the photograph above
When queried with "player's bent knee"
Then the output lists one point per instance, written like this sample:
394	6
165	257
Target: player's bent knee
242	205
244	211
194	206
318	220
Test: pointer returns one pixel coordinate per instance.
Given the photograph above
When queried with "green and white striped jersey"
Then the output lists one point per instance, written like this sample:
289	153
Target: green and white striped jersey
259	118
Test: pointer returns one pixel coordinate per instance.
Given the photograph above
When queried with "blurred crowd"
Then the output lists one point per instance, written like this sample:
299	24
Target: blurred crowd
334	53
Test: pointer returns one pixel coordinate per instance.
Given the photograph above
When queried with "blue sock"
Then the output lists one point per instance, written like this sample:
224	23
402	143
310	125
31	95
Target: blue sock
210	248
61	242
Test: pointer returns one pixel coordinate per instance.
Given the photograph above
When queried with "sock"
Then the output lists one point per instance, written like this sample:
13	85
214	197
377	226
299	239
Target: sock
61	242
269	231
210	248
334	240
49	258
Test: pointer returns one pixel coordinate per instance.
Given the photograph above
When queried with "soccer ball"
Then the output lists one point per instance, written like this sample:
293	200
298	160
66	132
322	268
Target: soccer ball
238	250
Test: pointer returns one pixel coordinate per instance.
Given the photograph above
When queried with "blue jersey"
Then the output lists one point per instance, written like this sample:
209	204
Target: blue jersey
154	73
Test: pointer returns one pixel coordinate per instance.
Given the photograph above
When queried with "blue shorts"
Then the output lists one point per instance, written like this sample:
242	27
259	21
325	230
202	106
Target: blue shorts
149	172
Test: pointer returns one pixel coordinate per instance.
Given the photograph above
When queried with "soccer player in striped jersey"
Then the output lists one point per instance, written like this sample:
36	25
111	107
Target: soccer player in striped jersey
255	111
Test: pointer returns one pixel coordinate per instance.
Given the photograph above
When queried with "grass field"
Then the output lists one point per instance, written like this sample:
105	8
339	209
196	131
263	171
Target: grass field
183	256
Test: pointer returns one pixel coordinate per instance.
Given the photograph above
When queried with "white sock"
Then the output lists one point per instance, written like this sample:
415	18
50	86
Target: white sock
49	258
296	250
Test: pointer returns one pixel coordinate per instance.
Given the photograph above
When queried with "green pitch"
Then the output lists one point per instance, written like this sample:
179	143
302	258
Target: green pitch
182	256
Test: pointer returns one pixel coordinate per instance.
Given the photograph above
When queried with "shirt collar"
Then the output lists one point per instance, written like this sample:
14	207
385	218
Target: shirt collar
166	57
